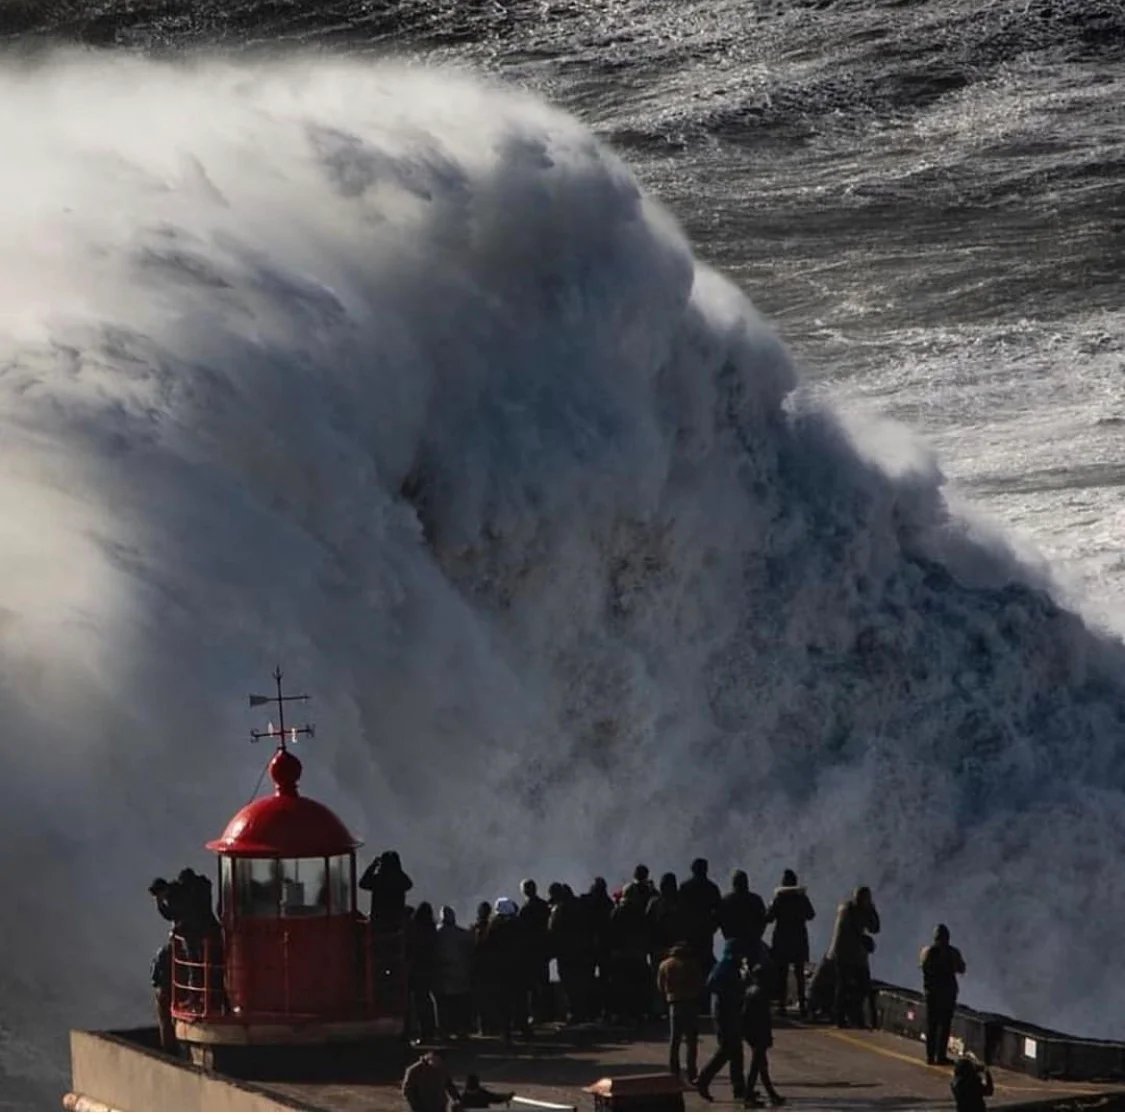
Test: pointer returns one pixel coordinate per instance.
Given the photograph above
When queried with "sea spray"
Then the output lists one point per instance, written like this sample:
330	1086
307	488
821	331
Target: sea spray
401	381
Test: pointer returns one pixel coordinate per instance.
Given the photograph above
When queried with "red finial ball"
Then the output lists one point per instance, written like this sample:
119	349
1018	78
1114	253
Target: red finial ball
285	770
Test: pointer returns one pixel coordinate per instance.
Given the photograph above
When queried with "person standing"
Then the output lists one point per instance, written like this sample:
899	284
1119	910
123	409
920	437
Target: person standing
680	980
421	956
699	902
507	949
855	919
941	964
790	912
388	884
534	915
162	990
453	975
742	914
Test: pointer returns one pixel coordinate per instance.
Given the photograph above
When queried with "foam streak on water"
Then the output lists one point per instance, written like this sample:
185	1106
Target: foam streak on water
403	381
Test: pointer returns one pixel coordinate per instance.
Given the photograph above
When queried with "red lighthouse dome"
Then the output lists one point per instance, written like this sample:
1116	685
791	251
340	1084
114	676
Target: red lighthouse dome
285	824
292	962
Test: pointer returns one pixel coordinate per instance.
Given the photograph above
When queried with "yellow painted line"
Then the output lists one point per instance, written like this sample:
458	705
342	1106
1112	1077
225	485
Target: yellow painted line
1044	1086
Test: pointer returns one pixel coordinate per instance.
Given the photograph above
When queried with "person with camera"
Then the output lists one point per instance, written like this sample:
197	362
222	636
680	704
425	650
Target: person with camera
186	903
941	964
971	1083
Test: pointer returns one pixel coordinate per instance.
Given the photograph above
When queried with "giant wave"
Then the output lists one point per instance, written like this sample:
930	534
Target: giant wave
401	380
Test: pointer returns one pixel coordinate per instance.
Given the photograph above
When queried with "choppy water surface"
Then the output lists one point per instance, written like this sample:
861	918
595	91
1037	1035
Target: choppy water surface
400	380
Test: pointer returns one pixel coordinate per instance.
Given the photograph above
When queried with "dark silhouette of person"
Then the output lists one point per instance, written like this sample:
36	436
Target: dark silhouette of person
453	975
665	924
534	915
389	886
700	900
941	964
506	946
162	990
642	883
485	998
757	1032
195	961
725	985
628	929
742	914
427	1085
970	1085
790	911
421	961
476	1094
680	980
598	906
851	945
574	946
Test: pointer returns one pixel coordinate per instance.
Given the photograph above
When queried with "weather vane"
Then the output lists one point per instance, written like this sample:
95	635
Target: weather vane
280	733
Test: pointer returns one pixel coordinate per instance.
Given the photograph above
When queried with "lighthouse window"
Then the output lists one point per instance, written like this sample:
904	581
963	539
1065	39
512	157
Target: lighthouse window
304	887
340	884
258	887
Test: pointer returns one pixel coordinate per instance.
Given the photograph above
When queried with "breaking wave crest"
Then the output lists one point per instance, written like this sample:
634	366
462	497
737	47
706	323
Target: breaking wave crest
400	380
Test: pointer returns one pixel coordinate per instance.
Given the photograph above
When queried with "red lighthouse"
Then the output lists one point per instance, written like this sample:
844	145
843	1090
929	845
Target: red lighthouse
295	964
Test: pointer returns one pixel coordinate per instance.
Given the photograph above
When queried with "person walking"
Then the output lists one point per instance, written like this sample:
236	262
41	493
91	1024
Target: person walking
725	985
790	911
941	964
757	1032
680	980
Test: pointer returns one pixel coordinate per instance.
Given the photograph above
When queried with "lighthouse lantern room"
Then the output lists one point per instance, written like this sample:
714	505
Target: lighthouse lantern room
293	962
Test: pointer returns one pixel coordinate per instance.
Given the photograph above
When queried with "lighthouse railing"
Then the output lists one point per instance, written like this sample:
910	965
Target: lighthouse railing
197	976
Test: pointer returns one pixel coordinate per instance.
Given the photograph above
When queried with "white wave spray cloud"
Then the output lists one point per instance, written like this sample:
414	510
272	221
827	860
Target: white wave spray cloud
401	380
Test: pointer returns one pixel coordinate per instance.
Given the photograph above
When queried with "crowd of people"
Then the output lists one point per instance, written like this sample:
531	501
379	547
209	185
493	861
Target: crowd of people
645	950
628	956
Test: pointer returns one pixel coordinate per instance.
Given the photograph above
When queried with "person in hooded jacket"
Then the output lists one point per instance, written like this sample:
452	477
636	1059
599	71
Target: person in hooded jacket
941	964
790	911
725	986
851	945
757	1032
742	914
681	982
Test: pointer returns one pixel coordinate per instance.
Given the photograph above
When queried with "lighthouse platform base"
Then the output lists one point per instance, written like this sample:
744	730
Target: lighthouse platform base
266	1050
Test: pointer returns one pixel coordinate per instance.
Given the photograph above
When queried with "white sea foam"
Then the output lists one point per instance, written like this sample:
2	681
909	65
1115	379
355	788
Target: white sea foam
401	381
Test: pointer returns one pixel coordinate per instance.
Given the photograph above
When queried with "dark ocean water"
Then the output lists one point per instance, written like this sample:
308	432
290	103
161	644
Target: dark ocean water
928	201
